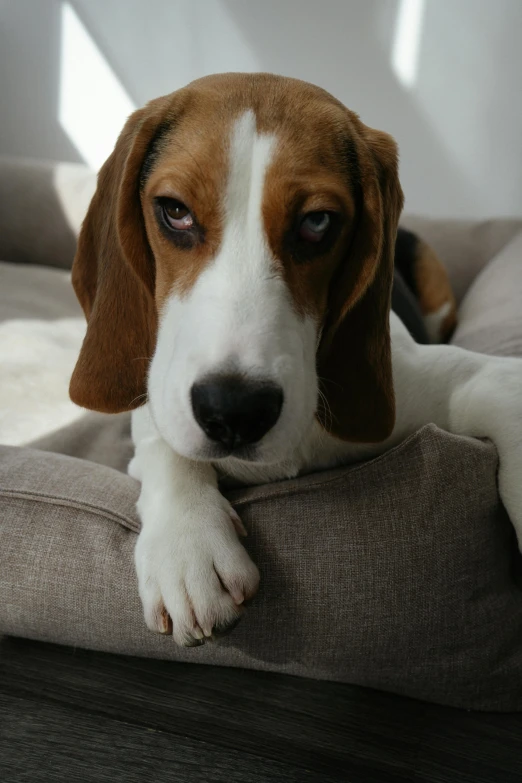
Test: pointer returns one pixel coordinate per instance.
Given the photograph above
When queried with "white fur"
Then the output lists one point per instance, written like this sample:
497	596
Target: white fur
188	556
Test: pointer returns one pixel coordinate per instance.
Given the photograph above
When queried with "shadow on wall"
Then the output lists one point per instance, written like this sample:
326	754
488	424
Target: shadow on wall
30	68
65	101
353	61
453	115
459	119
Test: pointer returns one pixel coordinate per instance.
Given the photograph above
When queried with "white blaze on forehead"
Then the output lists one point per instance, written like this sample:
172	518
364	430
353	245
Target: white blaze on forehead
237	286
244	257
249	156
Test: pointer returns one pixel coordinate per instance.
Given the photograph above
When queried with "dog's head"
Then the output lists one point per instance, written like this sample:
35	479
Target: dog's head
235	268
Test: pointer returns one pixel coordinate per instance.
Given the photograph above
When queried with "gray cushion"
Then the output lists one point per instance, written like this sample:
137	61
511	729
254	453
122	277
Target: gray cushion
390	574
42	207
491	311
98	437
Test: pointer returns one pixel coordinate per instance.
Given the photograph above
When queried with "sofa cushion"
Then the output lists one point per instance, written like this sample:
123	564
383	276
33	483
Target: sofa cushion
392	574
42	208
98	437
490	316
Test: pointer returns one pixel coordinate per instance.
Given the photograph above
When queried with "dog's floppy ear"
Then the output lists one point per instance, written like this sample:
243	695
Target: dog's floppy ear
354	355
113	276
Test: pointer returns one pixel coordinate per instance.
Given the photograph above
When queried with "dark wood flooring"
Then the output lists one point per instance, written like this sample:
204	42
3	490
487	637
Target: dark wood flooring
74	715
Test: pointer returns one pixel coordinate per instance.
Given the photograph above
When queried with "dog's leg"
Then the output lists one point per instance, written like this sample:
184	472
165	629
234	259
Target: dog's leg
193	573
468	394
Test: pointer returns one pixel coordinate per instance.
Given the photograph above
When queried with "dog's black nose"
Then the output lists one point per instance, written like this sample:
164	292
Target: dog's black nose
236	412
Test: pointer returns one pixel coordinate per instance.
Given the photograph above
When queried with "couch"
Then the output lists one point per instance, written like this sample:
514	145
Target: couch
83	691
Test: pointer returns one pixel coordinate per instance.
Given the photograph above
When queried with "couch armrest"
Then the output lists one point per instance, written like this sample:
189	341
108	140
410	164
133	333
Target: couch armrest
41	209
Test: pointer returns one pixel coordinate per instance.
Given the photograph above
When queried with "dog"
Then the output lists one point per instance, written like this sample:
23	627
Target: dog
235	267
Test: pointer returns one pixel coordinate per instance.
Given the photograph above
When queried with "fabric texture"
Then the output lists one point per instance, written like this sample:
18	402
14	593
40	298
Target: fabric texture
42	206
396	579
97	437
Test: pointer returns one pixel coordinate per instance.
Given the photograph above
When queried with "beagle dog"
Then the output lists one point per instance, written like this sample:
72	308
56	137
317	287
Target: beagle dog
235	268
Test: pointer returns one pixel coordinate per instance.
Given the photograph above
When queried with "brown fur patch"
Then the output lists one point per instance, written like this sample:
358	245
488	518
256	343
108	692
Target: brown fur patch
295	186
354	358
113	276
192	168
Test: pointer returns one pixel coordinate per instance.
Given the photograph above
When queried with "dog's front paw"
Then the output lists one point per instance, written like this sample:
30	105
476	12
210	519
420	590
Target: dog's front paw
193	573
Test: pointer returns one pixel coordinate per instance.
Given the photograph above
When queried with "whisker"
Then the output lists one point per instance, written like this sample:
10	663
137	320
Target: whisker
329	380
139	397
329	418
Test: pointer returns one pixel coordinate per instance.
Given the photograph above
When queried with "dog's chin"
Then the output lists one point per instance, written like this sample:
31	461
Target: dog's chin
215	452
210	451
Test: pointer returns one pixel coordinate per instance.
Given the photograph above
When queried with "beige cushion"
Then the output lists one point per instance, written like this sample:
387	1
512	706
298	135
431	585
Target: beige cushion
42	206
389	574
97	437
491	312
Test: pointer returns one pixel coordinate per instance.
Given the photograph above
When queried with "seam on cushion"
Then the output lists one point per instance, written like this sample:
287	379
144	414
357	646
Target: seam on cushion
57	500
349	470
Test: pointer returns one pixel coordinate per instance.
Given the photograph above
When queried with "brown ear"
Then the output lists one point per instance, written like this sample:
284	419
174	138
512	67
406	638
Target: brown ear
354	356
113	276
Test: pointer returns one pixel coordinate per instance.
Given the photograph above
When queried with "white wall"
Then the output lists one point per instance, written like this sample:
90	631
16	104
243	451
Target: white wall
458	124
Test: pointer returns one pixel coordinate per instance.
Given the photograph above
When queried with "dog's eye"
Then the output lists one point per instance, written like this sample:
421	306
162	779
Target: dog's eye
177	215
314	226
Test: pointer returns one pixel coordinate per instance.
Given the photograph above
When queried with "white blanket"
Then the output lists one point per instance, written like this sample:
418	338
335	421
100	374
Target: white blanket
41	331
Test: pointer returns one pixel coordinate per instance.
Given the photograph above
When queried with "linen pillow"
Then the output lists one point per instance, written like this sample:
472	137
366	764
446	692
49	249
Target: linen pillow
490	316
397	574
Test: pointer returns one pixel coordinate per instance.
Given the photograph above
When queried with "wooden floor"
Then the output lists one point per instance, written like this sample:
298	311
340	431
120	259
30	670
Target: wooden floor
72	715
